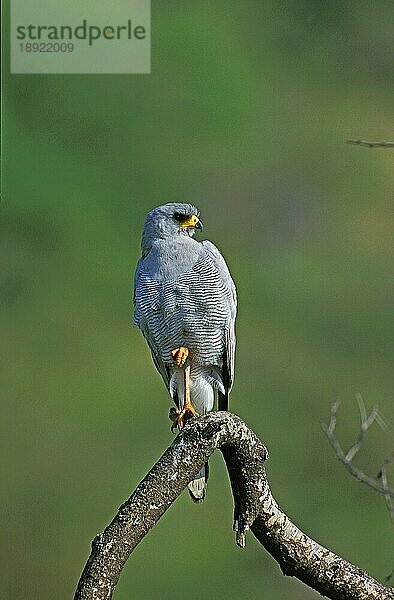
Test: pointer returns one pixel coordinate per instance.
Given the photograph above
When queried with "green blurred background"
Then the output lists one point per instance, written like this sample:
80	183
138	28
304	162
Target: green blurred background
245	114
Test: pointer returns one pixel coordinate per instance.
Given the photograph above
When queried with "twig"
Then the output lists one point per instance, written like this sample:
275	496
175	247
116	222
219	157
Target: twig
254	508
365	423
371	144
387	496
389	576
346	458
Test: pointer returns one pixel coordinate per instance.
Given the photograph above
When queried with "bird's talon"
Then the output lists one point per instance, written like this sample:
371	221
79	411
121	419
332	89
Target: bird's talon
173	413
179	356
186	413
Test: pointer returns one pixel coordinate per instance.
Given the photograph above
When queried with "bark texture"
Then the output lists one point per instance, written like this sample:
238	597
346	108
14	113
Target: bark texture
254	508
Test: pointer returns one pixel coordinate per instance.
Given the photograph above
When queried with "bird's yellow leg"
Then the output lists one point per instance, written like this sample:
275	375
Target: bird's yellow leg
187	410
179	355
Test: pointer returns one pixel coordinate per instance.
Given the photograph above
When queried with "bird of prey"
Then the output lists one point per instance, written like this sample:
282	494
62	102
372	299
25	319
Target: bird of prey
185	305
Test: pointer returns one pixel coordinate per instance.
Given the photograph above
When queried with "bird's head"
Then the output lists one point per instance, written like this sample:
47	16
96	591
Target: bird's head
168	221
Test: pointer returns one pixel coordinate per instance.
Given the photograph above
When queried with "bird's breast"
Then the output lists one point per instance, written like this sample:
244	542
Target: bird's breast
183	302
170	259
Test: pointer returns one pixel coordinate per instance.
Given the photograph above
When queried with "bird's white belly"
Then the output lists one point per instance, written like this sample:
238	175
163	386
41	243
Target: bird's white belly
201	388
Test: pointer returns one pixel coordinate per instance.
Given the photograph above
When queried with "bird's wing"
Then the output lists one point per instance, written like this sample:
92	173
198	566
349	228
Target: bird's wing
140	322
137	274
230	341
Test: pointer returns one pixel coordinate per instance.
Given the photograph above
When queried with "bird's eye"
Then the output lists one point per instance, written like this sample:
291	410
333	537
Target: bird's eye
179	217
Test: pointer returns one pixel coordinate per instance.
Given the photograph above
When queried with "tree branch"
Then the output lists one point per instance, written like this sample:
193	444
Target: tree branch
346	458
370	144
254	507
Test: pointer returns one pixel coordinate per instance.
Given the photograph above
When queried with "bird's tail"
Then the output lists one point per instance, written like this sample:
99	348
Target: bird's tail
197	487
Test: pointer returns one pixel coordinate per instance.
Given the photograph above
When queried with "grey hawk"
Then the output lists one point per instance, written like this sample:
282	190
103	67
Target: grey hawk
185	305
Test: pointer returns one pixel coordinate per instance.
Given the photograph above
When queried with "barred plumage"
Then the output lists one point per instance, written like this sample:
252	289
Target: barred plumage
191	311
184	297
